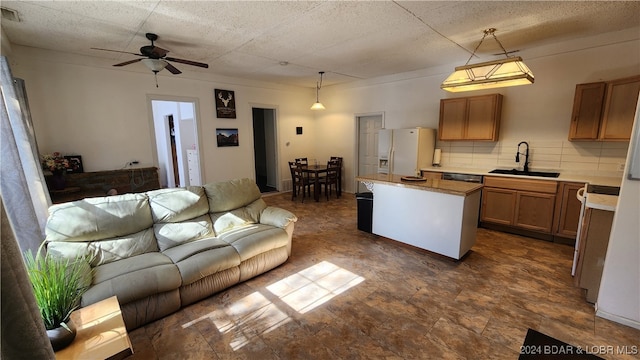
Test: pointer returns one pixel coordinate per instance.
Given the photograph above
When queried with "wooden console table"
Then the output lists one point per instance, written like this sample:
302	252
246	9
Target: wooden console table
98	183
101	333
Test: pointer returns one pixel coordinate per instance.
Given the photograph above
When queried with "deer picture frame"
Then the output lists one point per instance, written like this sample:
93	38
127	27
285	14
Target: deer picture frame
225	104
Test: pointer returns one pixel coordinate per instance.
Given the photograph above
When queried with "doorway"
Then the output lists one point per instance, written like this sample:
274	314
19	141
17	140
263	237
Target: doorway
368	126
264	148
176	142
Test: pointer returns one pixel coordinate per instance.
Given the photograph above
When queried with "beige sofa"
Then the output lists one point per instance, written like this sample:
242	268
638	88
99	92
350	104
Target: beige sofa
164	249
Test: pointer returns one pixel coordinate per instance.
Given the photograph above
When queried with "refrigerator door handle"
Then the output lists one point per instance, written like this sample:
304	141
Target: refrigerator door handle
391	159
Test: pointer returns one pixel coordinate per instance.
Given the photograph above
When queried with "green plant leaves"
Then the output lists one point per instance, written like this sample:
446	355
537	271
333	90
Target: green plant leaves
57	285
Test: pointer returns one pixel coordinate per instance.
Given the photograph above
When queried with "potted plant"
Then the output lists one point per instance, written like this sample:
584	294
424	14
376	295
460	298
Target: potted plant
58	285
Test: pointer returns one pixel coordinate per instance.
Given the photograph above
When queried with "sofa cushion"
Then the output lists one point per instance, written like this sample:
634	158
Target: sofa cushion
201	258
98	218
172	234
227	220
277	217
109	250
178	204
233	194
254	239
133	278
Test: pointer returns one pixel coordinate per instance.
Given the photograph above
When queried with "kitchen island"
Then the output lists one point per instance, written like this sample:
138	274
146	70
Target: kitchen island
440	216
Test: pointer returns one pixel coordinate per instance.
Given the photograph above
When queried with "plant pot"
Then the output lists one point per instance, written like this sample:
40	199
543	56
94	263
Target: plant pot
58	181
61	337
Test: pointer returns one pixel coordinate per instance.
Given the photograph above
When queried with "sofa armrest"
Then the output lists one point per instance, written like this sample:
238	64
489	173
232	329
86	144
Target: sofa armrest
277	217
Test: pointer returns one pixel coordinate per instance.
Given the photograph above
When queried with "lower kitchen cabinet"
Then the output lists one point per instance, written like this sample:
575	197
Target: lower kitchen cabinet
594	240
567	211
519	204
534	211
498	205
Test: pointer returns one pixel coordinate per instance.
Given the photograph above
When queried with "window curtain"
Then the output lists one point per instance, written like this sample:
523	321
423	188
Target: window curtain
22	183
23	332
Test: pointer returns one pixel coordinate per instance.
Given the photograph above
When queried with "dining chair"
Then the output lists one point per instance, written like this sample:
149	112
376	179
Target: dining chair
305	161
339	159
298	181
331	179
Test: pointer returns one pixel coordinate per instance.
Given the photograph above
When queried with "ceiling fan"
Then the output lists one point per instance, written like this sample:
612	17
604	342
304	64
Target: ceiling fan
155	58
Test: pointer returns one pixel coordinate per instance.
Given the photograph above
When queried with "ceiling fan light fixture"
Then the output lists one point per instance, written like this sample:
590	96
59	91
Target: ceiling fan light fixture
511	71
318	105
155	65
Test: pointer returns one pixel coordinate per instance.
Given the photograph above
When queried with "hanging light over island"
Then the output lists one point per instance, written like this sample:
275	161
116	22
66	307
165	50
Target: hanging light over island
511	71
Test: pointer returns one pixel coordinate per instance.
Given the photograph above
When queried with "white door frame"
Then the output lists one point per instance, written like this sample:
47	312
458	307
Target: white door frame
196	115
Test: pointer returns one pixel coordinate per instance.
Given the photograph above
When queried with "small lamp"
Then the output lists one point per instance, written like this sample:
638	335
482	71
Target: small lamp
318	105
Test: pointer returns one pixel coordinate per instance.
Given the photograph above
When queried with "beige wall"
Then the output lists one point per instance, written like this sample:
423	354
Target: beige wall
538	113
83	105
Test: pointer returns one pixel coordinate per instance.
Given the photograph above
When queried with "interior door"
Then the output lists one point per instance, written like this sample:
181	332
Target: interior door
264	148
368	127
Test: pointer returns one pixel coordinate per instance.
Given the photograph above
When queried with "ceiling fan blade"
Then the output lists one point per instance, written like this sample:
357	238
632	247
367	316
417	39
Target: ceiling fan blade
128	62
172	69
118	51
188	62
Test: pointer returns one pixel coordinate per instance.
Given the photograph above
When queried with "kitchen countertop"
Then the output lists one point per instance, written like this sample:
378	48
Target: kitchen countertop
564	176
444	186
601	201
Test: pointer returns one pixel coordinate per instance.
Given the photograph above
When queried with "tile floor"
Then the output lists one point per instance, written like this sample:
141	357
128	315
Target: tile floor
346	294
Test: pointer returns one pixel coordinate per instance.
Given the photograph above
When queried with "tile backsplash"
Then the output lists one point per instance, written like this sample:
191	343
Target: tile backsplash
594	158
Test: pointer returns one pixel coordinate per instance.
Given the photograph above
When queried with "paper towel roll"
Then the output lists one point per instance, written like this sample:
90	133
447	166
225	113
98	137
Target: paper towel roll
437	153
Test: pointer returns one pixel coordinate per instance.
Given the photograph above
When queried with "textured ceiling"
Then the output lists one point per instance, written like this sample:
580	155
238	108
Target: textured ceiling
349	40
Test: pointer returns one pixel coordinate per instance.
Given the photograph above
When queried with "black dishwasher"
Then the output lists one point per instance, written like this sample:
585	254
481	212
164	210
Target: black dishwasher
472	178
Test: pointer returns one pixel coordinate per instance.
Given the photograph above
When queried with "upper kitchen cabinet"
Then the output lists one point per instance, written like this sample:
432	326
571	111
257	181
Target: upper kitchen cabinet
604	111
470	118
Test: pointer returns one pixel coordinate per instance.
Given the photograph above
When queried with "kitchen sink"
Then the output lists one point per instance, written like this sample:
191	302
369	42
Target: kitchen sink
525	173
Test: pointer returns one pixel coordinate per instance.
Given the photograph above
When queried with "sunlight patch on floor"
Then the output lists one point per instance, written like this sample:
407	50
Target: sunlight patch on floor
314	286
255	314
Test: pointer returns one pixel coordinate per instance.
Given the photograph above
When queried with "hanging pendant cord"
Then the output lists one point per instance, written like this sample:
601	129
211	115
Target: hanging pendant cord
490	31
319	85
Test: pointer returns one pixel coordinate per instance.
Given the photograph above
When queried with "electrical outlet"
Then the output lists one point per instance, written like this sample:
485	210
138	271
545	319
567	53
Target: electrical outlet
620	166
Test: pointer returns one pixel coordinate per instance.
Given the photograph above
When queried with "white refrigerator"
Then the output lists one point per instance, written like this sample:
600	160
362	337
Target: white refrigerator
405	151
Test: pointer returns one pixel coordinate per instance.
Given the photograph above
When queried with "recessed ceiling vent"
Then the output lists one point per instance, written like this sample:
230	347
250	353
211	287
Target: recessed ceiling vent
9	14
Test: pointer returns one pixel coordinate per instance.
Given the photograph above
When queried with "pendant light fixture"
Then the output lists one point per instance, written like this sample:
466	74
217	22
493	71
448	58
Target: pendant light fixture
318	105
491	74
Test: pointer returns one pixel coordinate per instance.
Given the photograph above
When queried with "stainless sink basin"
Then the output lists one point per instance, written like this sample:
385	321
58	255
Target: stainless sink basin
525	173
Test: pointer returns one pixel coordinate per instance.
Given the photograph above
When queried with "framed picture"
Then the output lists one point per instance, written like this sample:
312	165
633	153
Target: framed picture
225	104
227	137
75	164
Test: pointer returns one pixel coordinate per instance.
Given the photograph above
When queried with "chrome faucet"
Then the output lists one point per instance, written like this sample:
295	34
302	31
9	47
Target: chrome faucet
526	156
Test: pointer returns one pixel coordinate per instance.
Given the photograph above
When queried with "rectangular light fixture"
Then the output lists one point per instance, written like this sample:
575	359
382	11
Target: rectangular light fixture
492	74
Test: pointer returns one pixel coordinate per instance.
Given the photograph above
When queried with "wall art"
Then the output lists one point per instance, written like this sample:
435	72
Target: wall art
225	104
75	164
227	137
